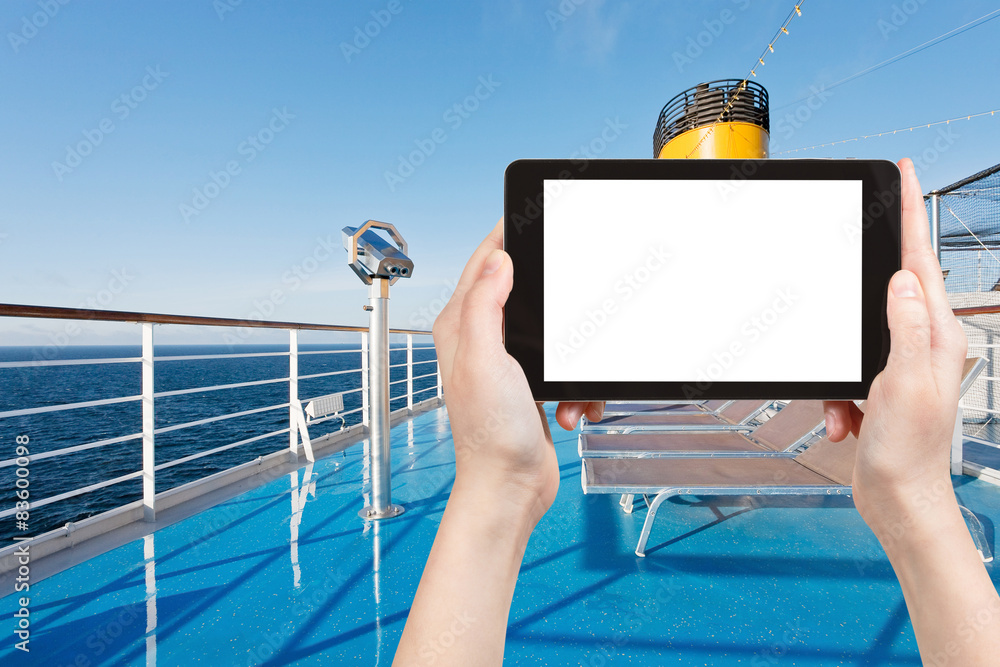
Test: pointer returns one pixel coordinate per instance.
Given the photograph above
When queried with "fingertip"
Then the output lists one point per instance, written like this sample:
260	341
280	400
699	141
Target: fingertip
831	426
905	285
573	412
595	411
564	418
838	420
493	262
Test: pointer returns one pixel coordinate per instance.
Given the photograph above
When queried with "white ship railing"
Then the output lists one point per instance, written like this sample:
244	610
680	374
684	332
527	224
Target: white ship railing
981	406
149	361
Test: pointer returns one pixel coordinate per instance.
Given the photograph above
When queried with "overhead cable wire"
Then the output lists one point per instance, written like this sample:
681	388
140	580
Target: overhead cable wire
906	54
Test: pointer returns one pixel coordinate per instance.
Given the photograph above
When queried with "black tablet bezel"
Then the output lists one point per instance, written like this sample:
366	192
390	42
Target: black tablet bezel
524	220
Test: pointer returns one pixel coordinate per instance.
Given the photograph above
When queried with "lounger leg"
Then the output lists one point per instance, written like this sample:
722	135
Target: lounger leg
978	534
627	502
647	526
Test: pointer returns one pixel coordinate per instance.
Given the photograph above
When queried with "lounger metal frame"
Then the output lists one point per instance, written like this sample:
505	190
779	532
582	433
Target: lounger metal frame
789	452
744	425
612	409
662	494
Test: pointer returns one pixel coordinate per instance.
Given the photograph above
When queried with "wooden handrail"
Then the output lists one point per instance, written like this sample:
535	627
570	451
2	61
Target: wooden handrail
49	312
976	310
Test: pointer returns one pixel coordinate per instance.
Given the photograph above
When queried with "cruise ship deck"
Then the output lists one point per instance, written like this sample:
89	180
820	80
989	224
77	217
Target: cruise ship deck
287	574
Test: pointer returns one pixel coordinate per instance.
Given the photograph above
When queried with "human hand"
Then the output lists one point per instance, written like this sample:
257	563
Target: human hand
503	446
905	433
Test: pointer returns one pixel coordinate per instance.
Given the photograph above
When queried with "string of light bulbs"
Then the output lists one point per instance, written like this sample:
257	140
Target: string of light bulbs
783	30
875	135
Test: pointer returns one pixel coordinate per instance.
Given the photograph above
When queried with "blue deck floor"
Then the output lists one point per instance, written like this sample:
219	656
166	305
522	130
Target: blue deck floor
787	583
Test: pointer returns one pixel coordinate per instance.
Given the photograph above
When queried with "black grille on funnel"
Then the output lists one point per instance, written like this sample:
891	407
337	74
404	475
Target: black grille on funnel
701	105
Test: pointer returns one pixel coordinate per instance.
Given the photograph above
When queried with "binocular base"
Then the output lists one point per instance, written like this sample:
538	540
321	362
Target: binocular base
369	513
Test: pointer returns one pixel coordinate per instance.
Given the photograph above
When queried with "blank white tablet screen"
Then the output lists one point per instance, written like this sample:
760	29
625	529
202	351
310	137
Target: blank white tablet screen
702	280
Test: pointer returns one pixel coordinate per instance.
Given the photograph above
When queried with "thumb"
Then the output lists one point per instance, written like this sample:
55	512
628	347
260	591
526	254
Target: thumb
909	324
481	327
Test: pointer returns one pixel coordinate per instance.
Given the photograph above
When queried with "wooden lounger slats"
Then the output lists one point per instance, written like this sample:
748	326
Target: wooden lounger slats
659	419
625	406
692	473
796	419
834	460
740	411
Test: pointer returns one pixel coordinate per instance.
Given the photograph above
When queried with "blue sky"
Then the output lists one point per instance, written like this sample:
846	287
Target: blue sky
227	143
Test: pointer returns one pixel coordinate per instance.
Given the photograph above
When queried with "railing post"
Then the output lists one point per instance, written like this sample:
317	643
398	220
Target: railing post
364	381
148	427
957	444
409	372
438	366
293	394
936	225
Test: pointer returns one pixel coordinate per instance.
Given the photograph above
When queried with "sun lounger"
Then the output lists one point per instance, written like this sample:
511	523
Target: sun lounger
667	478
791	427
736	415
824	468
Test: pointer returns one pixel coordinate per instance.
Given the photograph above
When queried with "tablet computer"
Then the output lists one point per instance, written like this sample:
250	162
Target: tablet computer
697	279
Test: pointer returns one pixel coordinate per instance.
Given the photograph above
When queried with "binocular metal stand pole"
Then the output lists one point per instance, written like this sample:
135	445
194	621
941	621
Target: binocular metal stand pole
379	457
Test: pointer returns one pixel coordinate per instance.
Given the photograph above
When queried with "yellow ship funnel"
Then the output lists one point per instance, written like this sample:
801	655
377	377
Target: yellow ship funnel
687	126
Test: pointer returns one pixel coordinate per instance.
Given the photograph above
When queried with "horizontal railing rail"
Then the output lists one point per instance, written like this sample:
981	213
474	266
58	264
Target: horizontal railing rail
50	312
148	361
976	310
68	362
